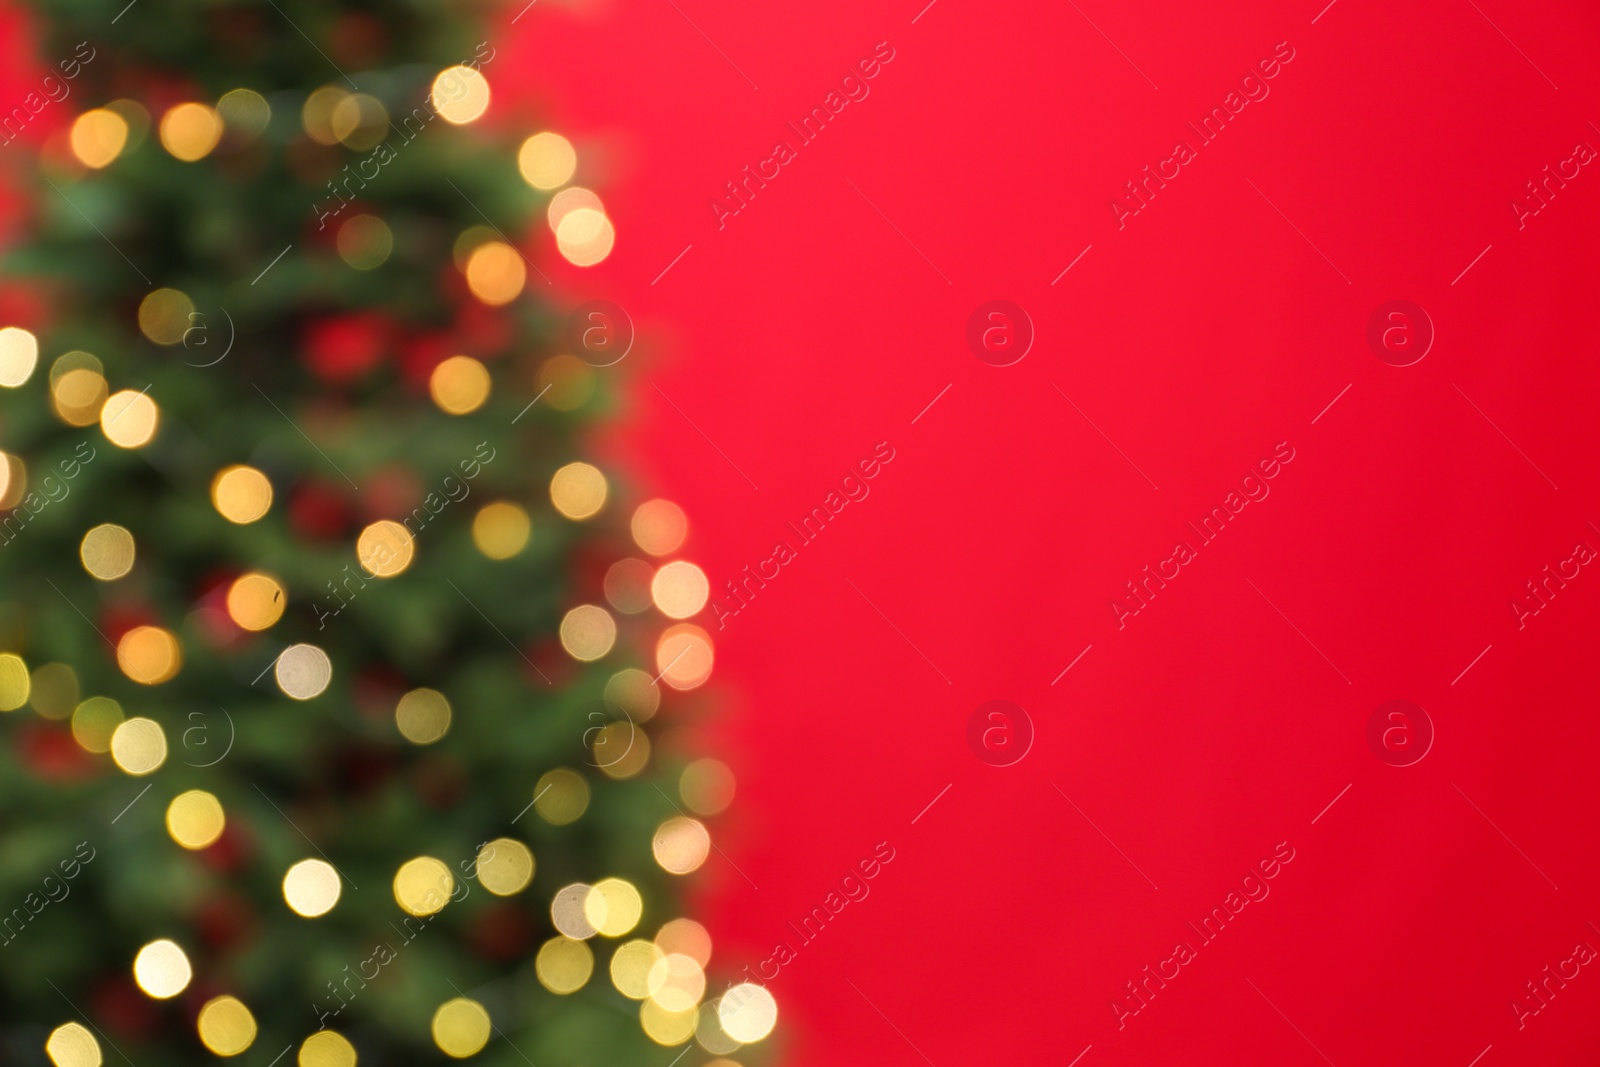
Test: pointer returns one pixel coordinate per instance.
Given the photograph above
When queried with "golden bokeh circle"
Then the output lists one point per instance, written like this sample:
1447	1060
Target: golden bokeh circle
303	671
666	1027
195	819
226	1026
578	490
630	968
621	910
505	866
316	114
459	94
19	354
190	131
573	914
561	796
93	723
659	527
677	982
241	494
139	746
385	548
162	970
256	601
365	242
311	888
129	419
422	886
681	844
627	585
621	750
706	786
563	965
684	656
747	1012
547	160
633	693
98	137
13	480
680	589
500	529
359	121
72	1045
15	682
459	385
326	1048
569	200
54	690
149	655
165	315
496	273
107	552
710	1035
587	632
245	113
585	237
461	1027
78	395
686	938
422	716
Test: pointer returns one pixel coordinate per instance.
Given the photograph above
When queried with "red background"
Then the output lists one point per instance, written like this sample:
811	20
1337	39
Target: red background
1216	724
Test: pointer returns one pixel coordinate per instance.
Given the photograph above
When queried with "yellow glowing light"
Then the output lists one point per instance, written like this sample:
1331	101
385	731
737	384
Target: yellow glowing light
627	585
709	1033
747	1012
659	527
561	796
385	548
585	237
684	656
578	490
505	866
107	552
563	965
547	160
706	786
161	969
681	844
94	721
567	201
303	671
365	242
13	480
423	886
98	137
165	315
190	131
667	1027
467	240
14	682
311	888
255	601
620	910
423	716
359	121
633	693
460	94
316	115
501	529
459	385
588	632
676	982
686	938
241	494
226	1026
129	419
139	746
566	382
325	1048
78	395
71	1045
680	589
572	912
621	750
149	655
54	690
195	819
460	1027
495	273
630	968
19	354
244	112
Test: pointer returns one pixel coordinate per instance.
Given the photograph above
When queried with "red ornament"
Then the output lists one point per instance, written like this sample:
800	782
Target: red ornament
318	511
49	751
342	348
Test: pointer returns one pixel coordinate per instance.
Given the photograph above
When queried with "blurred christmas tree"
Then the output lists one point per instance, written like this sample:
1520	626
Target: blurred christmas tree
312	743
